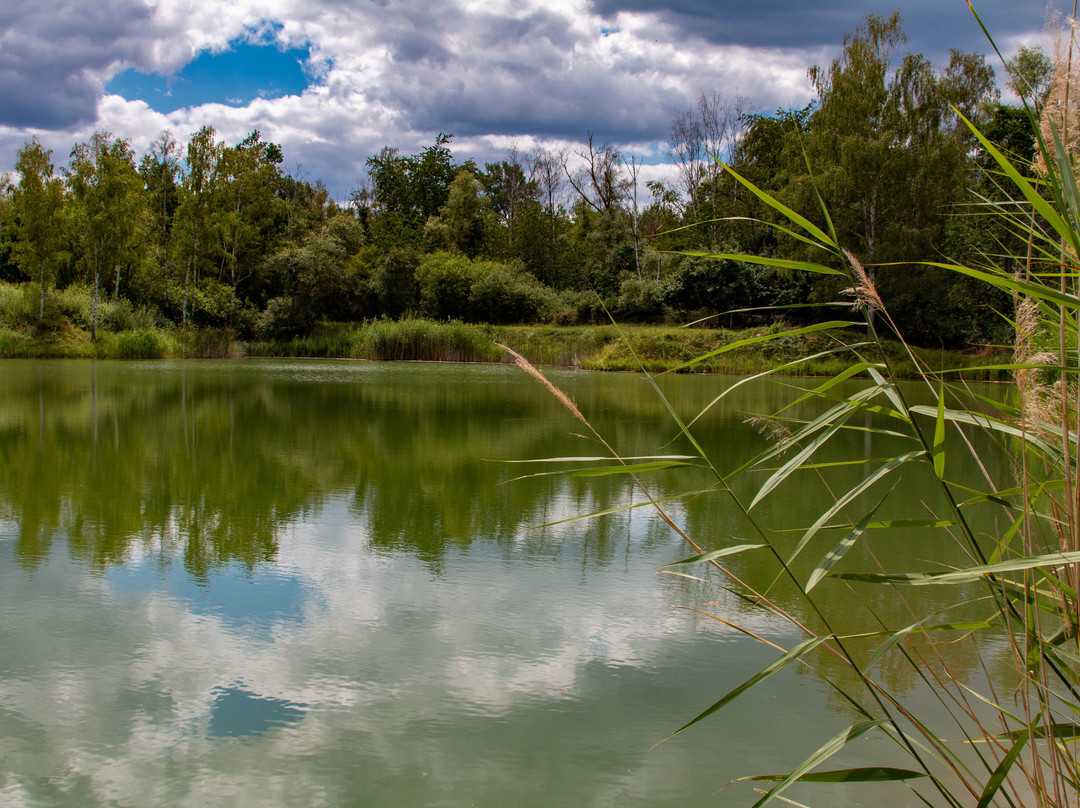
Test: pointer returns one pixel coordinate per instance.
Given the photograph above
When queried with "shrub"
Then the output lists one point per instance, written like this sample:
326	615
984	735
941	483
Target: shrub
136	345
444	281
507	294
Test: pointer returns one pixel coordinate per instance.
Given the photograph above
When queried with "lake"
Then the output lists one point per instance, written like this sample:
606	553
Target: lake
311	583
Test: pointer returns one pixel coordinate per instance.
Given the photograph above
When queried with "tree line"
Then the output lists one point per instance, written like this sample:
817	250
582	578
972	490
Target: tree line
222	236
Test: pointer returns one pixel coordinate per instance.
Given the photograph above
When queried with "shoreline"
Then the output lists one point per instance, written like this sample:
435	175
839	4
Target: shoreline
629	348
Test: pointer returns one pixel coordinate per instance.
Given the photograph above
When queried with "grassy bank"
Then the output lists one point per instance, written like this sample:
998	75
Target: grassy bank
69	342
658	348
588	347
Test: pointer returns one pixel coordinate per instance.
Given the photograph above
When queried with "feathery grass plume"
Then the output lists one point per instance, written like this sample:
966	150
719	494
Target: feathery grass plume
864	291
1039	397
1060	114
531	369
772	430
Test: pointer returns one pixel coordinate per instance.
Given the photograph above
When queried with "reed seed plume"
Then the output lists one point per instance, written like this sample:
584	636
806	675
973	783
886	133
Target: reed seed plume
1060	114
772	430
864	291
529	368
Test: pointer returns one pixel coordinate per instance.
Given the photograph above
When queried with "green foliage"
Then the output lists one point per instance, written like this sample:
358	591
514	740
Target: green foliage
135	345
1031	72
453	287
445	282
463	214
109	212
706	286
640	301
412	188
38	215
507	294
395	282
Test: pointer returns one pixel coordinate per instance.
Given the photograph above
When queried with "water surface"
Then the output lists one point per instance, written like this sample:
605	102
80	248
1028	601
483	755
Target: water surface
310	583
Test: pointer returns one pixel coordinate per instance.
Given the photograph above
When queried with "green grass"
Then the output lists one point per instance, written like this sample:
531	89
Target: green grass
390	340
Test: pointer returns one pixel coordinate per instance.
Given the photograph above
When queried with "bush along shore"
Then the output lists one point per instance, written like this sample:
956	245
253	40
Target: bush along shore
128	333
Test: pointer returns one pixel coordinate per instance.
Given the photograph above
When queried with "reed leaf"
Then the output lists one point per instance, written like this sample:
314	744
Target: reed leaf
1058	731
743	343
939	436
767	261
997	778
706	557
829	749
798	652
832	558
1040	205
963	576
841	502
792	216
867	774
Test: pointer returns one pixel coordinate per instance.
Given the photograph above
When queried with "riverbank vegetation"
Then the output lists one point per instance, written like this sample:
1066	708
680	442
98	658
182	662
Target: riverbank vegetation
127	333
212	236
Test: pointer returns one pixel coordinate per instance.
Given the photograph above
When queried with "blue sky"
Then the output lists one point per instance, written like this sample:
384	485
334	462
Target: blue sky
332	81
236	77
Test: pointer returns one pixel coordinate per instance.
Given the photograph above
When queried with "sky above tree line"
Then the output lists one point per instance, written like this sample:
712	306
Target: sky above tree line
332	81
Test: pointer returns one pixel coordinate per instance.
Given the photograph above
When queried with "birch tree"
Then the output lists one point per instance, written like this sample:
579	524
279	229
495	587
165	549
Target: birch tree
38	207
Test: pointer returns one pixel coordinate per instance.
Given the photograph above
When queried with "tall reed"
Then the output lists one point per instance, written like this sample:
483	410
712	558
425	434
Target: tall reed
993	737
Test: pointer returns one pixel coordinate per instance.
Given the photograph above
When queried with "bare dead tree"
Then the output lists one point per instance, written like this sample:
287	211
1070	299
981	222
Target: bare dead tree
700	137
546	171
633	169
598	180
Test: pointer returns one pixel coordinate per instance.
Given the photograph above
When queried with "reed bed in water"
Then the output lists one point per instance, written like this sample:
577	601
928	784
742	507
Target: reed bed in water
997	648
656	348
390	340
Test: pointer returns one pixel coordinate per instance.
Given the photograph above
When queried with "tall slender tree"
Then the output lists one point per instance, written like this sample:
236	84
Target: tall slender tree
37	201
108	200
160	170
191	222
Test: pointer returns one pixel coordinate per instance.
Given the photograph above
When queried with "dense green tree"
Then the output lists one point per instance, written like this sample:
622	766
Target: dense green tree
316	279
541	223
160	170
395	282
191	220
309	206
1031	72
508	189
248	216
889	155
37	205
109	209
411	189
463	216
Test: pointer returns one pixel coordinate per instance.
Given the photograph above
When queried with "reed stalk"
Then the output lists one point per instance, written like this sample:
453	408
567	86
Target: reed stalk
994	737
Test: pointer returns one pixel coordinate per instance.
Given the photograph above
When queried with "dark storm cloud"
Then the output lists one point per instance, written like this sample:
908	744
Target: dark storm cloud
562	105
424	48
53	53
932	26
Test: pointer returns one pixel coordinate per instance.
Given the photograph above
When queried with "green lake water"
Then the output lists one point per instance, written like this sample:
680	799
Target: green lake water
303	583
